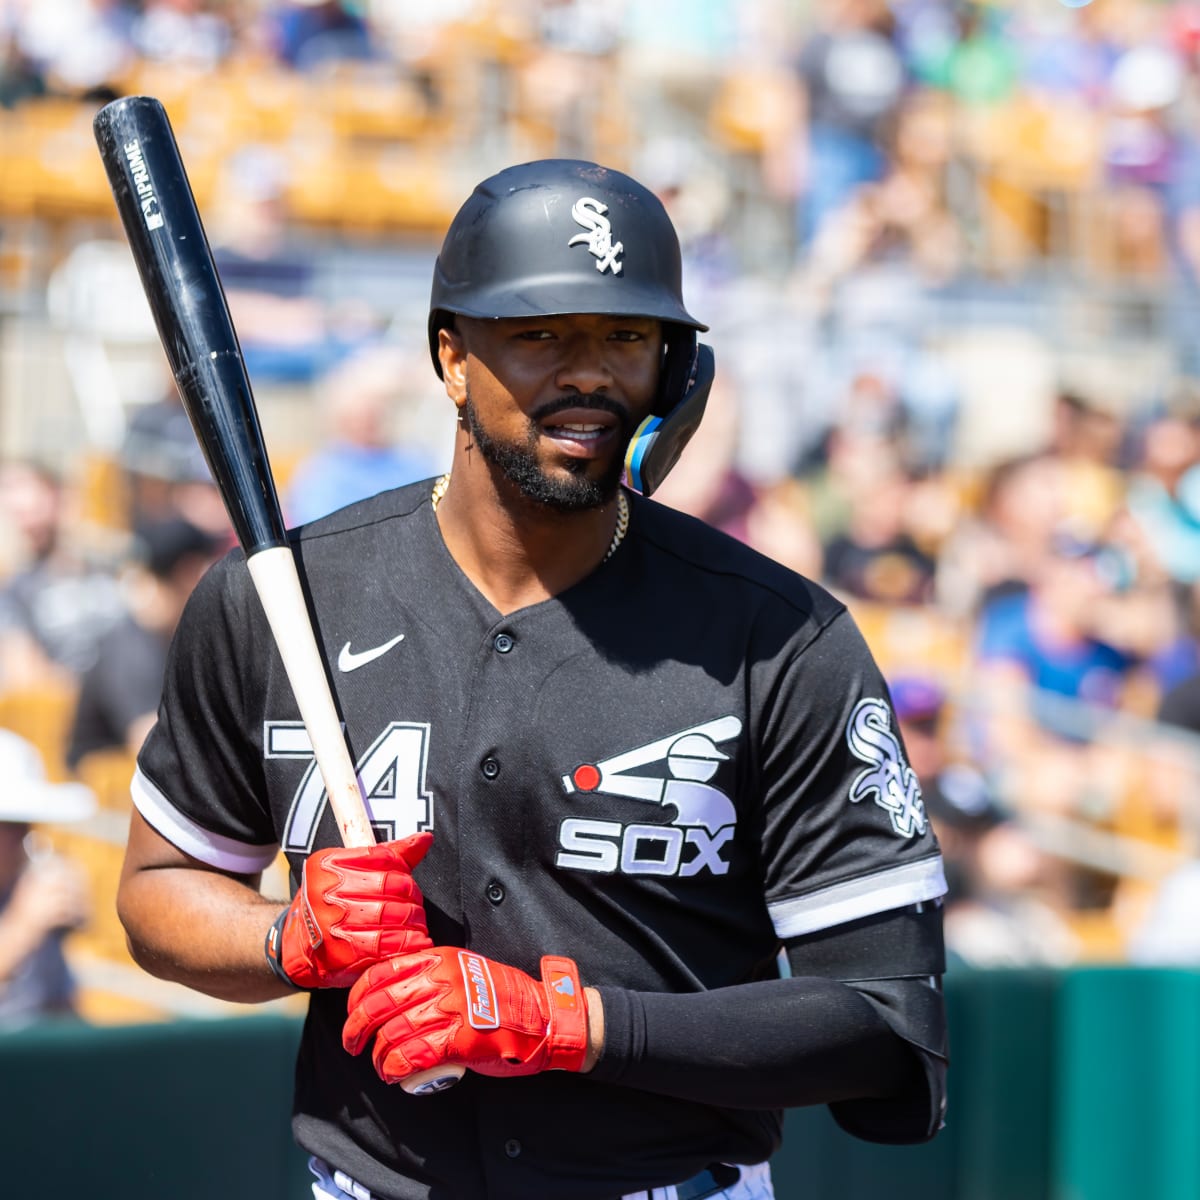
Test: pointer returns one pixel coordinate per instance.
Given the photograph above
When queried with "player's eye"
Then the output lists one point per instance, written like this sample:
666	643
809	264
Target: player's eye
534	335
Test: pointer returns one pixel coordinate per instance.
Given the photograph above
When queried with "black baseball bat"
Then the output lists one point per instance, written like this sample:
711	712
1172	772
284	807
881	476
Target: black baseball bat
173	258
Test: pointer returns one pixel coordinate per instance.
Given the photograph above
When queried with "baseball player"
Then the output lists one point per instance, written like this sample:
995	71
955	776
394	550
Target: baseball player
652	865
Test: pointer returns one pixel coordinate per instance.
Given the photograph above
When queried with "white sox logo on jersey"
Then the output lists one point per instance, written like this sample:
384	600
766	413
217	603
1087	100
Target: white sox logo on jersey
704	819
889	779
590	214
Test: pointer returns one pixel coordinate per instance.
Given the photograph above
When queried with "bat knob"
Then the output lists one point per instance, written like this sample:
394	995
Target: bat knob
436	1079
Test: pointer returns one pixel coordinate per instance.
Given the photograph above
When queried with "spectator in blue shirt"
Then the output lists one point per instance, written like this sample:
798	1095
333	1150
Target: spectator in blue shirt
362	398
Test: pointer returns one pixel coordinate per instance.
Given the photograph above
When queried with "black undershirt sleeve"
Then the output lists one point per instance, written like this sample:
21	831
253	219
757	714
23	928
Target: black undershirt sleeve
871	1047
779	1043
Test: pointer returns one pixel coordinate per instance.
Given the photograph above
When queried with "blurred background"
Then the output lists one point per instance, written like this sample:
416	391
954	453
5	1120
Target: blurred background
950	254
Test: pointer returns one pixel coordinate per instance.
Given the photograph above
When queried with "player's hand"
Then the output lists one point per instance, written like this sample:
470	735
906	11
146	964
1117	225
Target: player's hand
52	893
446	1005
354	907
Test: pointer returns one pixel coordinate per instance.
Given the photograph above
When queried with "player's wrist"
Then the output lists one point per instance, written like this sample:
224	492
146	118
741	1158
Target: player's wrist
273	949
567	1010
595	1028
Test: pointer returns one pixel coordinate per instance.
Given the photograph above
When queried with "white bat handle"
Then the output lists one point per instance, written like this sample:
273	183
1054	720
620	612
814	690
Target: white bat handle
436	1079
278	585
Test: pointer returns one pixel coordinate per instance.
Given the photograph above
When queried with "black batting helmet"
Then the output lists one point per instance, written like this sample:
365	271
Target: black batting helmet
566	236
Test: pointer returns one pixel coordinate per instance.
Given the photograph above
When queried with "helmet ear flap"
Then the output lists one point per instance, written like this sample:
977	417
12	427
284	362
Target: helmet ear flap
659	440
679	351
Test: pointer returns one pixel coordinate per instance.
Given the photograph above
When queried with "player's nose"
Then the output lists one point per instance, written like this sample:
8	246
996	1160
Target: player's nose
584	365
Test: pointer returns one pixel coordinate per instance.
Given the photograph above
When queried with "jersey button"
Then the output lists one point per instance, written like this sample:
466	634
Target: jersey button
495	892
490	768
512	1148
503	643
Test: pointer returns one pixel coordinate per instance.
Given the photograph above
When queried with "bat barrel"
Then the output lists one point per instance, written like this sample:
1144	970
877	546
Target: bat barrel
171	251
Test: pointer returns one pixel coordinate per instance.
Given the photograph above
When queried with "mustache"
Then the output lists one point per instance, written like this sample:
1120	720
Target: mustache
594	400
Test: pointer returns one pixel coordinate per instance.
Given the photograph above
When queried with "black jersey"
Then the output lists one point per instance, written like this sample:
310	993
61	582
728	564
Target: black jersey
663	772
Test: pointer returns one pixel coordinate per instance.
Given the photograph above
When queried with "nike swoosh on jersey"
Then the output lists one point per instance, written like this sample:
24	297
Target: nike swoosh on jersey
349	661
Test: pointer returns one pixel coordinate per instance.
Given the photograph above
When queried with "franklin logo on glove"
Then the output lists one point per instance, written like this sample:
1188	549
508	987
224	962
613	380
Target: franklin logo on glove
478	979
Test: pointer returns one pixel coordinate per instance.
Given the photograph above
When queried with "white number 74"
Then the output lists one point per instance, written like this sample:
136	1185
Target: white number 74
392	774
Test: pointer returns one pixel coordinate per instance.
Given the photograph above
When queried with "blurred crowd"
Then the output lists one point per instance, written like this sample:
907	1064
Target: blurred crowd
950	254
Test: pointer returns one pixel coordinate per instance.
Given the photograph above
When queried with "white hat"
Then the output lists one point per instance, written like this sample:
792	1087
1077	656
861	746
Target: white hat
1147	78
27	796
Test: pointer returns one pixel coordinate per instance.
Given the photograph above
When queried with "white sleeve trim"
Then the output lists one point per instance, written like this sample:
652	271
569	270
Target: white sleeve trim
857	898
226	854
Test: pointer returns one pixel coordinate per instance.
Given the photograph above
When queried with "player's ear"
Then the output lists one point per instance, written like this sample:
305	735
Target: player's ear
452	354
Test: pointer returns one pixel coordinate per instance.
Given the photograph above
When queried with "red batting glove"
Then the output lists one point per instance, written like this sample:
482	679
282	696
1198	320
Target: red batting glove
446	1005
354	907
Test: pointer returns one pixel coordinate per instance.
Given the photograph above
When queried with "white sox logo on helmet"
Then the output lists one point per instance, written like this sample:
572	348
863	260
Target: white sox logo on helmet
704	821
590	214
889	779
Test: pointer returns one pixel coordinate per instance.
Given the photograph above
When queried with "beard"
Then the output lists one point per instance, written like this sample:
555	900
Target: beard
518	462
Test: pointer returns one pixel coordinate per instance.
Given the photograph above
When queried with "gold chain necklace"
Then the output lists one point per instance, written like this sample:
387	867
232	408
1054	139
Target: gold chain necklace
439	490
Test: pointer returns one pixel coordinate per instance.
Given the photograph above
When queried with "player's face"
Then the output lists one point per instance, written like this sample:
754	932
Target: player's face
553	401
